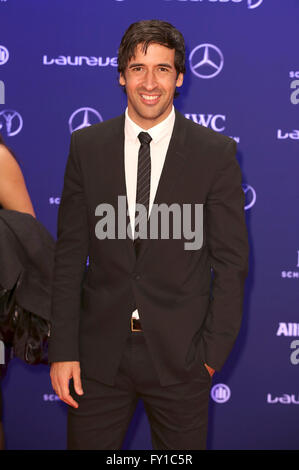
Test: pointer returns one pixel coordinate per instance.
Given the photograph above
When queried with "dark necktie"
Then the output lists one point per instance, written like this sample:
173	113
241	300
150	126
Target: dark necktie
143	179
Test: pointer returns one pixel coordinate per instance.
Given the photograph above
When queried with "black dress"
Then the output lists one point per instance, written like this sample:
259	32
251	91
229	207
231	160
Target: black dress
26	259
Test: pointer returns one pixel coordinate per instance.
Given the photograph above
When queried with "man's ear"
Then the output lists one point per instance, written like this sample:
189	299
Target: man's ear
122	80
180	79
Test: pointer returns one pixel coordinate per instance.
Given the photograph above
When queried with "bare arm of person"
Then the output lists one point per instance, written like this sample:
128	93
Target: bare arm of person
13	191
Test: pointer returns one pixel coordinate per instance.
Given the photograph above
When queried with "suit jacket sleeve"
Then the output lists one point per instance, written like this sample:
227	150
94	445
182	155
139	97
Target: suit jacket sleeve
70	261
228	248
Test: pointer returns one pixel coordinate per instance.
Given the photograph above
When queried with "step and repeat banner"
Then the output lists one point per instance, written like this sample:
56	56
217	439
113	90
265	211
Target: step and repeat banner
58	72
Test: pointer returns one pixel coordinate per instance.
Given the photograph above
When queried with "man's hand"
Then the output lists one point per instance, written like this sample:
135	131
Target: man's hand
210	370
61	373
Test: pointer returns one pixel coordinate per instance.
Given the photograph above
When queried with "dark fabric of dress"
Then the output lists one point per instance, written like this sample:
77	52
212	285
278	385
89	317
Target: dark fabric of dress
26	266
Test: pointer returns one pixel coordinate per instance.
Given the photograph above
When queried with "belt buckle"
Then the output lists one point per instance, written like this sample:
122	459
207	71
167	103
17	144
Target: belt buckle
132	325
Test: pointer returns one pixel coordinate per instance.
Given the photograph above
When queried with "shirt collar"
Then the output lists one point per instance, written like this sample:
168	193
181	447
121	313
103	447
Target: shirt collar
156	132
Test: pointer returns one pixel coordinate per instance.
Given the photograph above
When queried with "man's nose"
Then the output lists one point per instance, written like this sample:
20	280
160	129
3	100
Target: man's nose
150	81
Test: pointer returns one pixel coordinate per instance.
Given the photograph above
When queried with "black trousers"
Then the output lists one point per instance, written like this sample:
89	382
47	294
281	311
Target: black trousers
178	414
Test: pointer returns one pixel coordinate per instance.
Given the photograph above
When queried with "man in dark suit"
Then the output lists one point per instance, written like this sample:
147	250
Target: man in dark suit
149	318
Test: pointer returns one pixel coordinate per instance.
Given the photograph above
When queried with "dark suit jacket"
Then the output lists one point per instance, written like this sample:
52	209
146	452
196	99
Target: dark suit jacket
189	301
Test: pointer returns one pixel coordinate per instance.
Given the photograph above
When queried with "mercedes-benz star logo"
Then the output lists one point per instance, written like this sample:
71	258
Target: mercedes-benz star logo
254	4
84	117
250	196
4	55
11	121
206	61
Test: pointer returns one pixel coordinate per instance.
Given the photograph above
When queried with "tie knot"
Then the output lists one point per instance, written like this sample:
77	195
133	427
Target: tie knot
144	138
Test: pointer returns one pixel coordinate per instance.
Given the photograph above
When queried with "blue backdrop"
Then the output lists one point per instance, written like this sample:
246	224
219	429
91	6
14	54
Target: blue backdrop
58	71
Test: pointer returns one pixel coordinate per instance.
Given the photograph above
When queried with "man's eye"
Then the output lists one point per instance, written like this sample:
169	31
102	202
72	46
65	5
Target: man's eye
137	69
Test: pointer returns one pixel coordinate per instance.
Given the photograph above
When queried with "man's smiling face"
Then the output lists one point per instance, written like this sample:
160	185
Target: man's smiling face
150	80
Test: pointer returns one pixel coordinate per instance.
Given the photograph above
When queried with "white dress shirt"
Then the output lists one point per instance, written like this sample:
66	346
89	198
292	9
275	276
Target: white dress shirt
160	134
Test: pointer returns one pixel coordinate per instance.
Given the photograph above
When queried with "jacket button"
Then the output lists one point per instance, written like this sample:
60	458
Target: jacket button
136	277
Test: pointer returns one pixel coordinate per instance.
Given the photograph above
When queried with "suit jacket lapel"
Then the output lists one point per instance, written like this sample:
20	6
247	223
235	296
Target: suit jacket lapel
117	144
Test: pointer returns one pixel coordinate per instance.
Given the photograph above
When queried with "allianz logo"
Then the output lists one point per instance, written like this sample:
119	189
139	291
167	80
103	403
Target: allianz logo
285	399
288	329
79	60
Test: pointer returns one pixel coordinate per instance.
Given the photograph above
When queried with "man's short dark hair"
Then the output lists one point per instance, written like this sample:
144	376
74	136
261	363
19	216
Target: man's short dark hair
151	32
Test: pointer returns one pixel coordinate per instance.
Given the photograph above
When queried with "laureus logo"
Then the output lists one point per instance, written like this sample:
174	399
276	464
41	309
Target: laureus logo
11	122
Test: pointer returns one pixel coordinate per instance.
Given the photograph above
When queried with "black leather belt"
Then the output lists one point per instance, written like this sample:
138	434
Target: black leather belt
135	324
